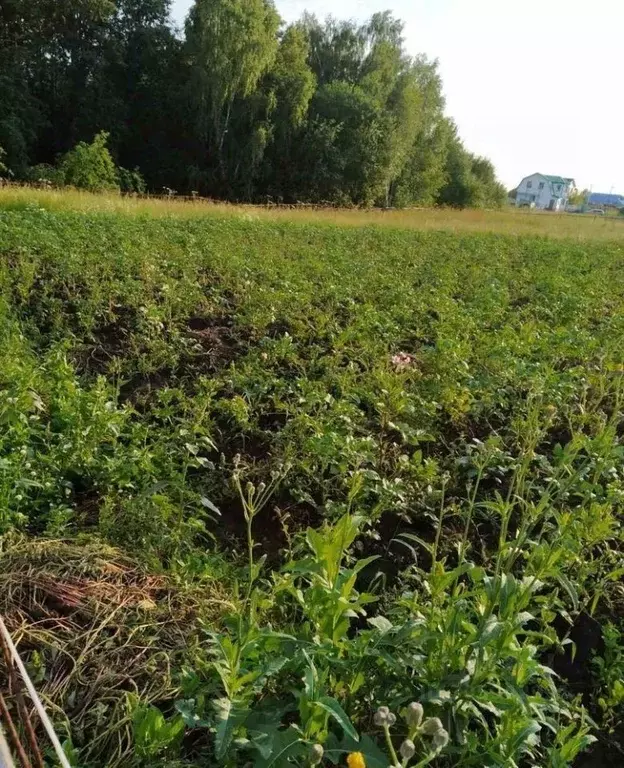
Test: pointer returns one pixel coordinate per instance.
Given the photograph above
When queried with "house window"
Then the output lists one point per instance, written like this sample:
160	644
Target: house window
529	184
541	185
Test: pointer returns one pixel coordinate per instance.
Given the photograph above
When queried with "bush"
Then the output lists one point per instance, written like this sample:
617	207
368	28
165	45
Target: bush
45	173
131	182
90	166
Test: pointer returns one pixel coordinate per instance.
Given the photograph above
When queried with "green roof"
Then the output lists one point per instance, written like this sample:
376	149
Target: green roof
556	179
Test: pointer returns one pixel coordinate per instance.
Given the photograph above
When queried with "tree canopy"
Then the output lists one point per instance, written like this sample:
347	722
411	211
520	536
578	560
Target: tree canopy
236	105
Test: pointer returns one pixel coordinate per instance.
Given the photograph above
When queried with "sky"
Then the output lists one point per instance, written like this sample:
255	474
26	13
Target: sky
535	85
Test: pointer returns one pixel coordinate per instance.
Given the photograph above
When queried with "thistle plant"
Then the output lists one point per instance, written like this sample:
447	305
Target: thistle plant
424	739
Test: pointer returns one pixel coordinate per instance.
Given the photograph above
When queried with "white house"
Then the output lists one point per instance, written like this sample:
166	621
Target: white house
540	191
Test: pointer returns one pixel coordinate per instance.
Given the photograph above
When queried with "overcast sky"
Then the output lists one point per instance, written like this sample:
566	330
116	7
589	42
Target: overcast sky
535	85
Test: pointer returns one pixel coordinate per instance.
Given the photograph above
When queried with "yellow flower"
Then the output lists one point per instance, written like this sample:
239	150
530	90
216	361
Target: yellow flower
356	760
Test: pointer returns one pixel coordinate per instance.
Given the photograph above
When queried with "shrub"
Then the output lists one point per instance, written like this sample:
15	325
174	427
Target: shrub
131	182
45	173
90	166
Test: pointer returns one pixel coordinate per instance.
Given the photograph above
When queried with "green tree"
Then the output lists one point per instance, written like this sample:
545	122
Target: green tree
491	193
144	61
352	163
337	49
291	80
231	45
90	166
61	45
131	182
579	197
425	172
289	86
470	180
369	94
319	111
461	188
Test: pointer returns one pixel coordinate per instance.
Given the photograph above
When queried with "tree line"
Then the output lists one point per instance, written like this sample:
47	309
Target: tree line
236	105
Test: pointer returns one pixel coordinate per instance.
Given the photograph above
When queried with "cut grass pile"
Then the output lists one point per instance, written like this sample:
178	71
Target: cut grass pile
101	635
440	411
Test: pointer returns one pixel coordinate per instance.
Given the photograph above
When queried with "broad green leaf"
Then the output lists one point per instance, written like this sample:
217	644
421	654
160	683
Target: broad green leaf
338	714
336	750
380	623
284	744
209	505
229	717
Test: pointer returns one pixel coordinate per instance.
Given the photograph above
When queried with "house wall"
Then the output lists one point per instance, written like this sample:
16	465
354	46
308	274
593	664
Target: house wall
543	196
559	191
525	193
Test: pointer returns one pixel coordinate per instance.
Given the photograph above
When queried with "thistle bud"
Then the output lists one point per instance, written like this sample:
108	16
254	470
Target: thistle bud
414	714
250	488
261	487
432	725
316	754
391	719
381	716
440	739
407	749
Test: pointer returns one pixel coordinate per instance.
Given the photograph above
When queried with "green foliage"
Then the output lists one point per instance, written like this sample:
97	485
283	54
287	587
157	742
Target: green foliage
131	182
90	166
470	181
235	107
579	197
456	640
402	450
291	79
231	44
351	163
153	735
46	174
610	670
424	174
20	119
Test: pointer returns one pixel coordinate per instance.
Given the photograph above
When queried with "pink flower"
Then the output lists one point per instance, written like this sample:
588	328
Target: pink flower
403	360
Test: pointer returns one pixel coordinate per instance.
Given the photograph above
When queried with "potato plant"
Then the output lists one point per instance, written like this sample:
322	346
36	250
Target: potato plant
398	452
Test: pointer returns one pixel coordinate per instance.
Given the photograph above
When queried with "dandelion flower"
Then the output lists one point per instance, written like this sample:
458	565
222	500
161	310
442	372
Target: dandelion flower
356	760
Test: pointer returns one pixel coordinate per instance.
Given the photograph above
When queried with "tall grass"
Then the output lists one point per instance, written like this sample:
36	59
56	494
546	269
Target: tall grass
510	221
